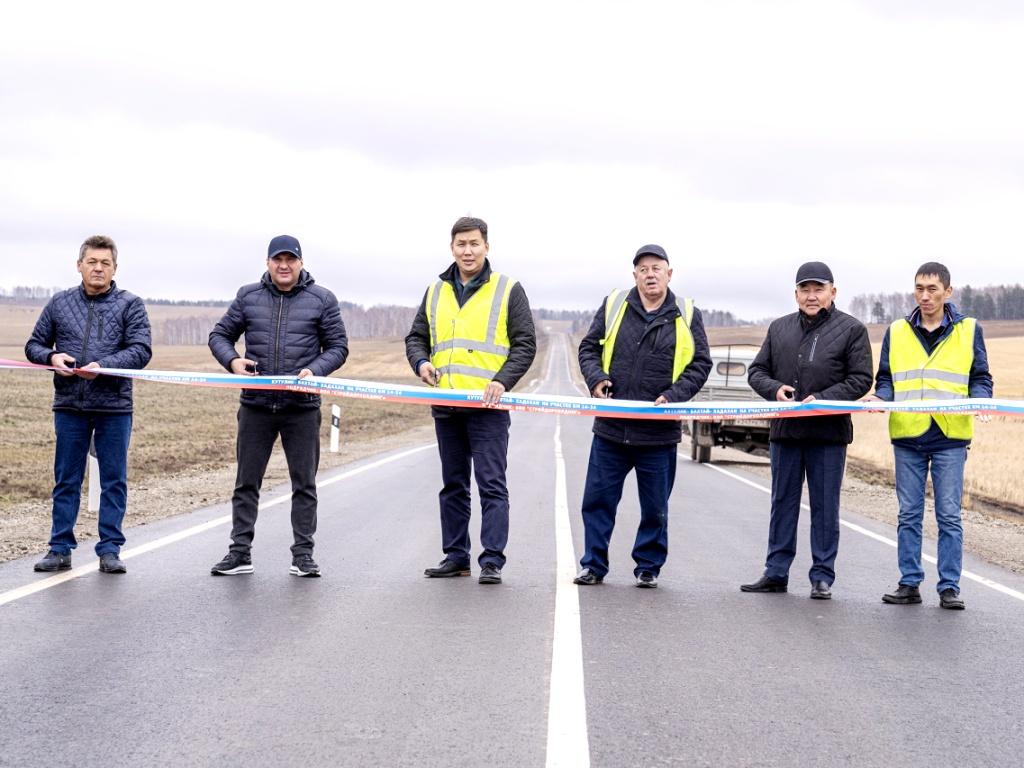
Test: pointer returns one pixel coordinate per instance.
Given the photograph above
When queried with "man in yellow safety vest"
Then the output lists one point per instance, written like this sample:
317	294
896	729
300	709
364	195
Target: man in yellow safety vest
473	330
643	344
936	353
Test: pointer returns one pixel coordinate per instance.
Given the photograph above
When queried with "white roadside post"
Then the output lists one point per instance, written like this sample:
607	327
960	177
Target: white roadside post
94	478
335	427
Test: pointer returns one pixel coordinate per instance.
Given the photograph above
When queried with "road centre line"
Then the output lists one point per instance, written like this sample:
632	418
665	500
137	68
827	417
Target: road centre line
567	743
52	581
970	575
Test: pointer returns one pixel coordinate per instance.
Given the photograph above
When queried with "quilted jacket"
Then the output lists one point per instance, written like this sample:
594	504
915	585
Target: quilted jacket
284	333
111	329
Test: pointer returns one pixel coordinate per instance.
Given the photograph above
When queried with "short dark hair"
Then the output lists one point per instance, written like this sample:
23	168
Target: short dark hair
468	224
934	268
101	242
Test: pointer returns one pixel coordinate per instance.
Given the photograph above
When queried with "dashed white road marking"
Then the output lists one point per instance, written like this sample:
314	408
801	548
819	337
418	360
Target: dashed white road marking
52	581
970	575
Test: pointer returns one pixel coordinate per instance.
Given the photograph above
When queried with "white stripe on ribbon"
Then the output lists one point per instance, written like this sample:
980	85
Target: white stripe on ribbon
540	403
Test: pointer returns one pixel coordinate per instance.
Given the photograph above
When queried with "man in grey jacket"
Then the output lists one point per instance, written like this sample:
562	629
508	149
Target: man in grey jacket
93	325
292	327
816	353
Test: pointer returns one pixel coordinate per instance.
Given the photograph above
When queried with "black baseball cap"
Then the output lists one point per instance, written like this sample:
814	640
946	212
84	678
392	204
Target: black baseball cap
814	272
284	244
650	250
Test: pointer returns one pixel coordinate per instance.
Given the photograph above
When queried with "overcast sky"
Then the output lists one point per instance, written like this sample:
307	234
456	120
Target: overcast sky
744	137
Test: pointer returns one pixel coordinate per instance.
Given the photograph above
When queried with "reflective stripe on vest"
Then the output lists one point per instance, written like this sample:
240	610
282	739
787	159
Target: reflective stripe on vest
469	344
615	310
942	375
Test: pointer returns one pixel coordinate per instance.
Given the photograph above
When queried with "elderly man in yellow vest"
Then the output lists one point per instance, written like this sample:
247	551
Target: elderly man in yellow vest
936	353
474	330
643	344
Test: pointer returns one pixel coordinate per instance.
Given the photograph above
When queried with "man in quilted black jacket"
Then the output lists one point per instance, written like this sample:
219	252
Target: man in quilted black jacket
93	325
292	327
815	353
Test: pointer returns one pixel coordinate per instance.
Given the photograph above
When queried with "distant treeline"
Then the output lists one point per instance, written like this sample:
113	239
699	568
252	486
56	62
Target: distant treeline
993	302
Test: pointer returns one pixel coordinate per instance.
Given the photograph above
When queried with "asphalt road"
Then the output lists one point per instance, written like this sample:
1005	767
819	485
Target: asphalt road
375	665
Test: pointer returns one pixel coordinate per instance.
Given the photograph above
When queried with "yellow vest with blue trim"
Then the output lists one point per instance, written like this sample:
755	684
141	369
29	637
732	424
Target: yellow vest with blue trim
469	344
942	375
615	310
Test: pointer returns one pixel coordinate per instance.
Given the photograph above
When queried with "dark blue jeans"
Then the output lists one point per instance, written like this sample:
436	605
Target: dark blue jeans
947	468
476	439
823	464
74	431
610	462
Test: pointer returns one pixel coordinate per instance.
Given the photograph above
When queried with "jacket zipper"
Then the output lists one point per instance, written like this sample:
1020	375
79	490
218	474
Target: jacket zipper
810	357
85	350
277	344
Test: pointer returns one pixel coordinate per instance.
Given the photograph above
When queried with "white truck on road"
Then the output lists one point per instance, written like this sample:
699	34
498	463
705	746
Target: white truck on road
727	381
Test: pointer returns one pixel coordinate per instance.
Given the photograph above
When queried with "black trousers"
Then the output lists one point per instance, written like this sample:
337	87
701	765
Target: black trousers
476	439
258	430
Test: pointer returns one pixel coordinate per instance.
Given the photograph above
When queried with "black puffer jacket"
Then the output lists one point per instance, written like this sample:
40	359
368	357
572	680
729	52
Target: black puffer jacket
284	333
642	368
829	358
111	329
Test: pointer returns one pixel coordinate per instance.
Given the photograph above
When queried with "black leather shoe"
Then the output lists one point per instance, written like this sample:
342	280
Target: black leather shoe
948	598
646	580
111	563
445	569
53	561
764	584
490	574
820	590
904	594
587	578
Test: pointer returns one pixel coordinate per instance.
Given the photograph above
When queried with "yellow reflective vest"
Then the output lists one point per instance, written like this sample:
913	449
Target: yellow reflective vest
469	344
942	375
615	310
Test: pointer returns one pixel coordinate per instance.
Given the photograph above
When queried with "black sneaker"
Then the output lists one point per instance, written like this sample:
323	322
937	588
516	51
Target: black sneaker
587	578
904	594
233	564
490	574
111	563
950	598
445	569
646	580
53	561
304	565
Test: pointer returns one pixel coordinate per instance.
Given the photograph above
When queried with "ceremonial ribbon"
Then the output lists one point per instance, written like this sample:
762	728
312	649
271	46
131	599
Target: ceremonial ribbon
540	403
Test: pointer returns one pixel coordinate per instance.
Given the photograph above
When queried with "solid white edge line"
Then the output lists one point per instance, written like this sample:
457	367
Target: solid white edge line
969	575
568	743
38	586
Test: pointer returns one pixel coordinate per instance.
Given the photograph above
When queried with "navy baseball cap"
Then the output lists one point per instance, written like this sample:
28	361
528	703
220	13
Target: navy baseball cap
284	244
650	250
814	272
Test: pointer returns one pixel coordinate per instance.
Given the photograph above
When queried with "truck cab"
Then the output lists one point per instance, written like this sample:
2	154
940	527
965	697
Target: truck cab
727	382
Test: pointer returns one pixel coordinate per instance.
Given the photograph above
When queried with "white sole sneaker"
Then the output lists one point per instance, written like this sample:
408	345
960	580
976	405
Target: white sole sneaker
236	571
294	571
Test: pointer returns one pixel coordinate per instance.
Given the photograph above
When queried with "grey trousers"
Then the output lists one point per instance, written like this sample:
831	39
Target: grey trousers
258	430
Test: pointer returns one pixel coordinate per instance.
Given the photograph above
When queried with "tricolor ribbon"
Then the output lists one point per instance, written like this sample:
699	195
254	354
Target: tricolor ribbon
540	403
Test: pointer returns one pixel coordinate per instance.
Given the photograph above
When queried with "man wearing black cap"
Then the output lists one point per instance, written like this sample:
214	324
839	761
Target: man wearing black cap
292	327
816	353
643	344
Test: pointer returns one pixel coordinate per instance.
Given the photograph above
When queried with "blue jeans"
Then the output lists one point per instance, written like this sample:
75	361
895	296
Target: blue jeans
823	464
74	430
610	462
477	440
947	469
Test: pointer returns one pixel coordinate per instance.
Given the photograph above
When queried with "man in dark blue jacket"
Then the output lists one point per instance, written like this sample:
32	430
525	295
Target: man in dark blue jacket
292	327
644	344
816	353
937	352
94	325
